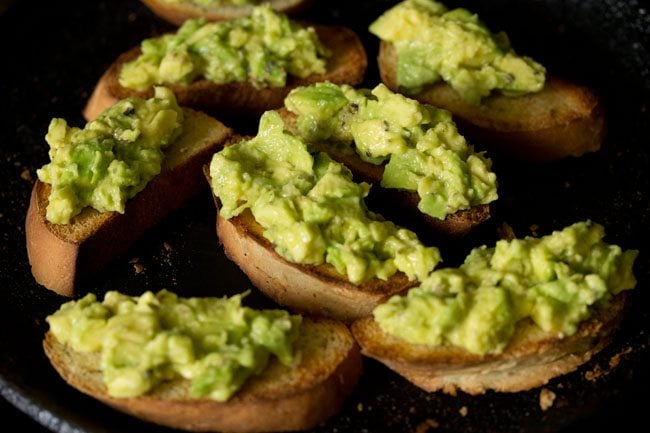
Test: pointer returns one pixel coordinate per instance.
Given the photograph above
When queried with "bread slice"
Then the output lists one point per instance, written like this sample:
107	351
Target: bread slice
347	65
62	254
317	290
178	13
562	120
328	365
532	358
457	224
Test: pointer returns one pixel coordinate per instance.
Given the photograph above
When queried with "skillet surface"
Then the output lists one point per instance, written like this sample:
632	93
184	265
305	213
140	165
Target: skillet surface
54	52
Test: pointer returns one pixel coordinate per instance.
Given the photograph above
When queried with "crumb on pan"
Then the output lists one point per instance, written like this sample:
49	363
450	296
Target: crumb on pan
426	425
546	398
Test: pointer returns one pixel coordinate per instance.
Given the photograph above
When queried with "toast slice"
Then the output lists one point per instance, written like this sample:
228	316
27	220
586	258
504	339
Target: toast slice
347	65
562	120
457	224
177	13
62	254
280	399
532	358
317	290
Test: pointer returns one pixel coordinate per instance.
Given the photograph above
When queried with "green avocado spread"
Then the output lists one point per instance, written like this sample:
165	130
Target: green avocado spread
216	2
310	208
556	281
421	144
112	158
215	343
433	43
262	48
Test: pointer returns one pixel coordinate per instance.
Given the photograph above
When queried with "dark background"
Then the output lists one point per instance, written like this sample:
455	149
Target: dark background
52	55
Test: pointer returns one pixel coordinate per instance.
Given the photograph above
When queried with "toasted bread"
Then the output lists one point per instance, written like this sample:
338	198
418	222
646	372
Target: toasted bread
177	13
318	290
328	365
532	358
61	254
562	120
346	65
459	223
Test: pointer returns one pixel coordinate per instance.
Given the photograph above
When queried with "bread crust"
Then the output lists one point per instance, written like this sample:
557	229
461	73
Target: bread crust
60	255
328	365
562	120
180	12
531	359
316	290
347	65
458	224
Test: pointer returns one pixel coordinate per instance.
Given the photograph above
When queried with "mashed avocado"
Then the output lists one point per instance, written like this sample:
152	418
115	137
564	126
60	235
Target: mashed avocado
433	43
215	343
112	158
216	2
555	281
262	48
424	150
310	208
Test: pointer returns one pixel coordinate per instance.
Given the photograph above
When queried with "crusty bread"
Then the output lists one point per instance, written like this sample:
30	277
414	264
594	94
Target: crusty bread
562	120
317	290
61	254
178	13
347	65
532	358
457	224
328	365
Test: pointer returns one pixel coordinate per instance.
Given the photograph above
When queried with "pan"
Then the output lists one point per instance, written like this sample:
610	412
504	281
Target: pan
52	55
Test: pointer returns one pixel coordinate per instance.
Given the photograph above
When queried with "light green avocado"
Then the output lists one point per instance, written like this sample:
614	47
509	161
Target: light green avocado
261	48
215	343
216	2
433	43
112	158
310	208
421	144
556	281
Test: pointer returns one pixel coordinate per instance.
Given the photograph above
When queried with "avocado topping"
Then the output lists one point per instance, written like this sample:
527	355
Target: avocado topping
556	281
112	158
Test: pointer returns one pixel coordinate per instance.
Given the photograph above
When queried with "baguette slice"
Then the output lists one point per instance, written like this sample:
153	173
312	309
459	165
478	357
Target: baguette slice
280	399
317	290
457	224
61	255
532	358
347	65
178	13
562	120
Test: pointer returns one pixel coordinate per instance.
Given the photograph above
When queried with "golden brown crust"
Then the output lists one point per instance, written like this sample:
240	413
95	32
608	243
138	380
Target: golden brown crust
532	358
346	65
178	13
61	254
458	224
562	120
317	290
328	365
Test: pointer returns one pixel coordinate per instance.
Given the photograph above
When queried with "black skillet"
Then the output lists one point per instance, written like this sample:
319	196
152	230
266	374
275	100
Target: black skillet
53	52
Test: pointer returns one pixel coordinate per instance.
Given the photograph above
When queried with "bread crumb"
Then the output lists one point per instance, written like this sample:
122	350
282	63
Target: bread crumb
463	411
546	398
533	229
26	175
426	425
616	359
166	246
594	374
411	409
138	268
134	260
506	232
360	407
